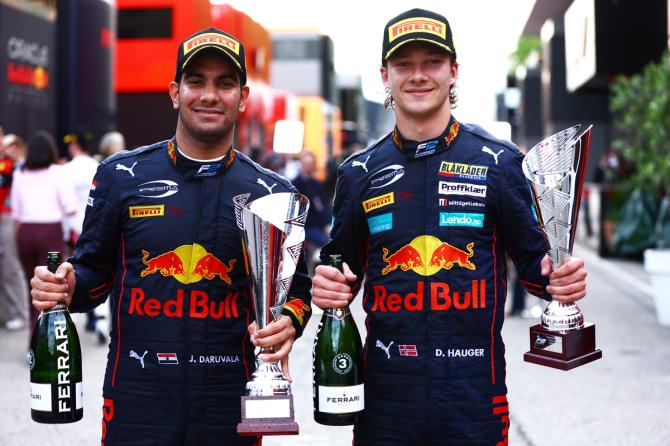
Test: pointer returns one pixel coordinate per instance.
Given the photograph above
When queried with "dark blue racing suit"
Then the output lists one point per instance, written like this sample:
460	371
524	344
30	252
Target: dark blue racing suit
161	239
429	223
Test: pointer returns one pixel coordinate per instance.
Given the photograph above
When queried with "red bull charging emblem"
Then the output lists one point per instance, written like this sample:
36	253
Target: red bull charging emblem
187	264
426	255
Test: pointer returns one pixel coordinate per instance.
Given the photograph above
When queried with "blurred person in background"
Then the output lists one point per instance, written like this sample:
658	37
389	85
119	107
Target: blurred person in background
161	238
110	143
424	219
13	309
318	218
80	171
273	161
42	197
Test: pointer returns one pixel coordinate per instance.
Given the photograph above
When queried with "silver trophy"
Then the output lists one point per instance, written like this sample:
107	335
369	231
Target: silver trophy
554	169
273	233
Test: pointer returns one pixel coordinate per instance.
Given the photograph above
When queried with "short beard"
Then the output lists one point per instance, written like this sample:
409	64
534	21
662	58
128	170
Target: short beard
206	135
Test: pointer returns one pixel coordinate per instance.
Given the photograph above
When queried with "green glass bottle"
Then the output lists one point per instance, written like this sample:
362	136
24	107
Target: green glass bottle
337	366
56	391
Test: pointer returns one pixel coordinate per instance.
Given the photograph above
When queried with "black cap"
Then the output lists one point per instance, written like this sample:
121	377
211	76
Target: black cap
417	25
80	135
211	38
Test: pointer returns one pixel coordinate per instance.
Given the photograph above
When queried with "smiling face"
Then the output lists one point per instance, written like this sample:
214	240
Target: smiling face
209	99
419	76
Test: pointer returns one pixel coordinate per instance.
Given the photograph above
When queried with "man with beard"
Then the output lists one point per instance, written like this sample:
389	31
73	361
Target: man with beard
160	237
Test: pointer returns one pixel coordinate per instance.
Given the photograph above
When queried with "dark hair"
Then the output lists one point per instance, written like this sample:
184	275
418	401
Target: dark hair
453	97
41	151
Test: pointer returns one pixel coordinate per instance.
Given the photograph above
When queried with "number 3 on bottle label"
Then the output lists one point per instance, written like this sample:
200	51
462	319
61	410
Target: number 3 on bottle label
342	363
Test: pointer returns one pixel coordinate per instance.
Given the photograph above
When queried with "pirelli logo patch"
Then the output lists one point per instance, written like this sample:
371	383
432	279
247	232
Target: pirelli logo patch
417	25
147	211
378	202
208	39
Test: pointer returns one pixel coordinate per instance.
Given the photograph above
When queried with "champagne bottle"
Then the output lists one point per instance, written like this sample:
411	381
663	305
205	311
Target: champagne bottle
56	391
337	366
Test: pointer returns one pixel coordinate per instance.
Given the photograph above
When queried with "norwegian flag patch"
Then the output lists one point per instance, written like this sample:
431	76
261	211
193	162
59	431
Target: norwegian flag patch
407	350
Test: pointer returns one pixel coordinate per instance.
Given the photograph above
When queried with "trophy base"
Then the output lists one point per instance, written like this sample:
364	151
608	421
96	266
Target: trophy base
267	415
562	350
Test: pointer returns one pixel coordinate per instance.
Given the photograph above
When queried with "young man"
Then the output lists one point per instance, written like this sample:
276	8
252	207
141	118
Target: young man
160	234
428	214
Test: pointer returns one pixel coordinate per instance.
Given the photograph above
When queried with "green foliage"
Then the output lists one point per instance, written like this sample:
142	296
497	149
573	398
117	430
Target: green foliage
640	105
641	110
524	48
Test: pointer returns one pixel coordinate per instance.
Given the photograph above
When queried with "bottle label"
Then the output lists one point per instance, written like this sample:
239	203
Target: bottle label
79	392
342	363
31	359
40	397
345	399
338	313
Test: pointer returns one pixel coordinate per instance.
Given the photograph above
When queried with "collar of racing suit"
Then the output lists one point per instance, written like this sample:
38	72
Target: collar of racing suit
198	169
420	149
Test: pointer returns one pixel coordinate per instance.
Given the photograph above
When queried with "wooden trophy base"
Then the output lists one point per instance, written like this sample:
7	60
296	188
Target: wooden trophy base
267	415
562	351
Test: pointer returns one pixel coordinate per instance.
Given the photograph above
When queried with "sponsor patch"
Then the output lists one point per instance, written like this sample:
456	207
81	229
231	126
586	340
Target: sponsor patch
461	219
425	148
426	255
460	203
430	296
363	165
495	155
147	211
158	189
208	170
89	201
448	188
130	170
167	358
378	202
407	350
379	344
380	223
463	171
206	39
386	176
140	358
417	25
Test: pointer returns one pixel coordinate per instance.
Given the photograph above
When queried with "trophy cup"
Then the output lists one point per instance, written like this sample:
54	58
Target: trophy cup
272	236
554	169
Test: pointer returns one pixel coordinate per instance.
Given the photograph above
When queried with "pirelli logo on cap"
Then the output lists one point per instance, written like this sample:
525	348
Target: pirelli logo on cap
147	211
209	39
378	202
417	25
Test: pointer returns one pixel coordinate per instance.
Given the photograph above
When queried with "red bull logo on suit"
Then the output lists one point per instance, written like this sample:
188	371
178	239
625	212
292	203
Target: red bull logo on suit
426	255
187	264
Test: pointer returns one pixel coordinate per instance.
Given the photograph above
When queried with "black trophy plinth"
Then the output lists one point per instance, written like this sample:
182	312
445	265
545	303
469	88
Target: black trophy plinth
562	350
267	415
